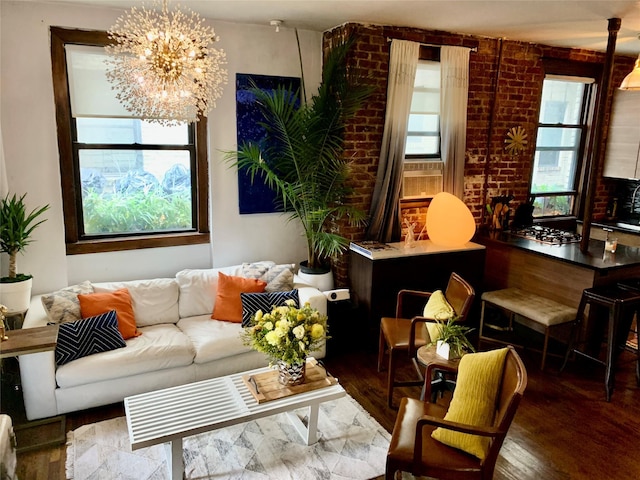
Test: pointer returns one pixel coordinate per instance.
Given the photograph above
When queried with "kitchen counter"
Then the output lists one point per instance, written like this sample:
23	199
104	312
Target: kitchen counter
595	258
557	272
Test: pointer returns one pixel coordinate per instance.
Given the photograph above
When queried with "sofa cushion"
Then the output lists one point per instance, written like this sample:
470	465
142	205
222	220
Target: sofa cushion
212	339
154	301
279	278
252	302
160	347
63	305
93	304
198	289
228	306
87	337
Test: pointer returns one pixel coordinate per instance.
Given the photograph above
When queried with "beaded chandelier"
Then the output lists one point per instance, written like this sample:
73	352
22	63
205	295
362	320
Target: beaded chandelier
162	67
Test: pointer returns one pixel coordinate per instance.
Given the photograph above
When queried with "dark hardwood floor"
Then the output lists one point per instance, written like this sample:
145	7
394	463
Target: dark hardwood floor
564	428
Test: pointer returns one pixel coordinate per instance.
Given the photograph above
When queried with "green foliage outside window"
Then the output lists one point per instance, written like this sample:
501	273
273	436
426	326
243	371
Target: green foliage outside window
136	212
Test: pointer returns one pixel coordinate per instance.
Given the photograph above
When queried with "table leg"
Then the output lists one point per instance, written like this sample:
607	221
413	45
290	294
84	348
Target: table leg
308	432
175	462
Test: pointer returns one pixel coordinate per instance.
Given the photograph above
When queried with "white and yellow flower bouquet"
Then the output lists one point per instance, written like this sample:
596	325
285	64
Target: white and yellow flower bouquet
287	333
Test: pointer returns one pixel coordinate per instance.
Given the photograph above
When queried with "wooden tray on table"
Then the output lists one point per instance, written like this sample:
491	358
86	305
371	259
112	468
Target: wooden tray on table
265	386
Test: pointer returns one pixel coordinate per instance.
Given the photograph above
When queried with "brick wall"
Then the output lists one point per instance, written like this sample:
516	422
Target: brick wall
505	86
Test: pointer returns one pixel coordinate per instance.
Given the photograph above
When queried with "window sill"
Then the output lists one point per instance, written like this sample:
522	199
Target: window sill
136	242
415	202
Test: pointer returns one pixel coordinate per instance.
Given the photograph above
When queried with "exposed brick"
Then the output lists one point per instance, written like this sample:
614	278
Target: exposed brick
514	96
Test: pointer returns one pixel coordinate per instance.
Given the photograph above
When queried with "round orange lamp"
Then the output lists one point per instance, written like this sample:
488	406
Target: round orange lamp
449	221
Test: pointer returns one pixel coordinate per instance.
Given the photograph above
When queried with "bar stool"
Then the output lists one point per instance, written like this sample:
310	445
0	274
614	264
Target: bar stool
617	301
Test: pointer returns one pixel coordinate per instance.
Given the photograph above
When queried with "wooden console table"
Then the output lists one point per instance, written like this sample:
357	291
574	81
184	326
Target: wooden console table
24	342
29	340
377	276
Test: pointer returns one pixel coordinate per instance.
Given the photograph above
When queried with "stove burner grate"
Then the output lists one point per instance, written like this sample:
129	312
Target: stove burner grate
548	235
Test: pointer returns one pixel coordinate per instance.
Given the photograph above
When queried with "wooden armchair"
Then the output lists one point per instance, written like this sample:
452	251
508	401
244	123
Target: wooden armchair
400	335
412	449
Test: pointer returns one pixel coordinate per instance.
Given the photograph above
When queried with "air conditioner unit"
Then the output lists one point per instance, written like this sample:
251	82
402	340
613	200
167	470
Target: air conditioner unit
421	179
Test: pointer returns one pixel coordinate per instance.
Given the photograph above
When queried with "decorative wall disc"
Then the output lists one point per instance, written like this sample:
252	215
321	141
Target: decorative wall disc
516	140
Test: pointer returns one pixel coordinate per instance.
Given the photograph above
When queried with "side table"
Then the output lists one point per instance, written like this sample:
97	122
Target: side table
434	363
24	342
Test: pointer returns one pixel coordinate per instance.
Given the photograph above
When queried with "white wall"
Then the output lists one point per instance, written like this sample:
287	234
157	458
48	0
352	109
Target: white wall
31	150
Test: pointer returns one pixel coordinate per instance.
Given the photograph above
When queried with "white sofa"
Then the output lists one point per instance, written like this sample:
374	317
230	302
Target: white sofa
180	343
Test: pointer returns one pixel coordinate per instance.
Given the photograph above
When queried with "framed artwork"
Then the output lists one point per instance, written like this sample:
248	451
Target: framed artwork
255	197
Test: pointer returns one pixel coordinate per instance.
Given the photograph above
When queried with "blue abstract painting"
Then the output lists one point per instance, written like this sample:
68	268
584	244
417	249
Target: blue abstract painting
255	197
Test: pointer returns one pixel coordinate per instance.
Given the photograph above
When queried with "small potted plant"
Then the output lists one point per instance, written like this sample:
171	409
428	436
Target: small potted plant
452	341
287	335
16	228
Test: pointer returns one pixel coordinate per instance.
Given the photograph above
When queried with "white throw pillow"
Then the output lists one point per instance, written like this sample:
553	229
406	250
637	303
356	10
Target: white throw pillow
154	301
198	288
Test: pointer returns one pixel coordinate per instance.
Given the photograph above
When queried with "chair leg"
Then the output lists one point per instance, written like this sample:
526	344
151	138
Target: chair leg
390	471
575	329
391	376
381	348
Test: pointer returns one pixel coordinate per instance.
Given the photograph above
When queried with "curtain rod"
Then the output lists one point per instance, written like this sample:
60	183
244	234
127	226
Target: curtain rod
473	49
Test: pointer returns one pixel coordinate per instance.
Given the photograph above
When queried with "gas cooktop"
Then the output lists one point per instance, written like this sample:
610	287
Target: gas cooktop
548	235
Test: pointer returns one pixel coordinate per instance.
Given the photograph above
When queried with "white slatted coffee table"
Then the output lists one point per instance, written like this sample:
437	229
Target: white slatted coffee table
169	415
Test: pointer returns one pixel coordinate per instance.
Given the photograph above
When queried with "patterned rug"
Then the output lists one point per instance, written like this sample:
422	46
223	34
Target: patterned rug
351	445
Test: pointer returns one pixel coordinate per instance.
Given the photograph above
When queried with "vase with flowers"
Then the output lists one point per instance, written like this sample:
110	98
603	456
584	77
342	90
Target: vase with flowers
287	334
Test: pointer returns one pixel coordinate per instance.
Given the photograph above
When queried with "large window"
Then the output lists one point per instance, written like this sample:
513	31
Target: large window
127	182
423	166
560	144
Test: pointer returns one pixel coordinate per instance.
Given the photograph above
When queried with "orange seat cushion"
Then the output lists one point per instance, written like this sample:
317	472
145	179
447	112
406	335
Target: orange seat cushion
228	304
92	304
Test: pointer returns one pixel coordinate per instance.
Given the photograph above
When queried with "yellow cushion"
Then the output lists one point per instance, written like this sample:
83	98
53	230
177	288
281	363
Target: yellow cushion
437	308
474	400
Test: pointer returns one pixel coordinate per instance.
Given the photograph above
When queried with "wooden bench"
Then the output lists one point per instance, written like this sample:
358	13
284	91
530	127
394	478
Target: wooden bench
543	314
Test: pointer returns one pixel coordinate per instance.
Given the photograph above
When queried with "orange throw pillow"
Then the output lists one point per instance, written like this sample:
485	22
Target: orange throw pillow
93	304
228	305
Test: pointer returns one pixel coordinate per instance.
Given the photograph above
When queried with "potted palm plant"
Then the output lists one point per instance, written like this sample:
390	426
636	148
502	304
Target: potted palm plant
451	340
302	157
16	228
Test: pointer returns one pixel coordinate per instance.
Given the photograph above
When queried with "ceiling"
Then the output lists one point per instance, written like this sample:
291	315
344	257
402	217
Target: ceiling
566	23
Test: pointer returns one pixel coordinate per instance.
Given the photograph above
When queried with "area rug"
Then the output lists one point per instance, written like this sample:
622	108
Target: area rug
352	445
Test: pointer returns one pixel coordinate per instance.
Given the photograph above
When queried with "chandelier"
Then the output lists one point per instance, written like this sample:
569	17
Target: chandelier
162	67
632	81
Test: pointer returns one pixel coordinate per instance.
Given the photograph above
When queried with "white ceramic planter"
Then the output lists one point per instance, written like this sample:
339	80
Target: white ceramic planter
323	281
16	296
444	350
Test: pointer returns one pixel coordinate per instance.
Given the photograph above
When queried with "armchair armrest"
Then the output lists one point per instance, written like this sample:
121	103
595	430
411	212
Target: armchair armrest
415	321
459	427
403	295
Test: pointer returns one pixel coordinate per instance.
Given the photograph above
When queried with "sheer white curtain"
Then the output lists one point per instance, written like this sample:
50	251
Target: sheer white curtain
384	220
454	68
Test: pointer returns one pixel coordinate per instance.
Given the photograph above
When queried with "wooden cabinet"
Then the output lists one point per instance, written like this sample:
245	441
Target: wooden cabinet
375	280
622	159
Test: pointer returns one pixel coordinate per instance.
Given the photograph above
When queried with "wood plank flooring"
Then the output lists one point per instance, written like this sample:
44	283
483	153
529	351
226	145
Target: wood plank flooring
564	428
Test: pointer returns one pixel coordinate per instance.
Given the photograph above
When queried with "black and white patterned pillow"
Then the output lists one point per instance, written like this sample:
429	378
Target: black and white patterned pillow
88	336
252	302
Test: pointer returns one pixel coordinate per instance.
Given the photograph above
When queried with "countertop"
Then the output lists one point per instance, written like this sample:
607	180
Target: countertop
595	258
384	251
626	226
